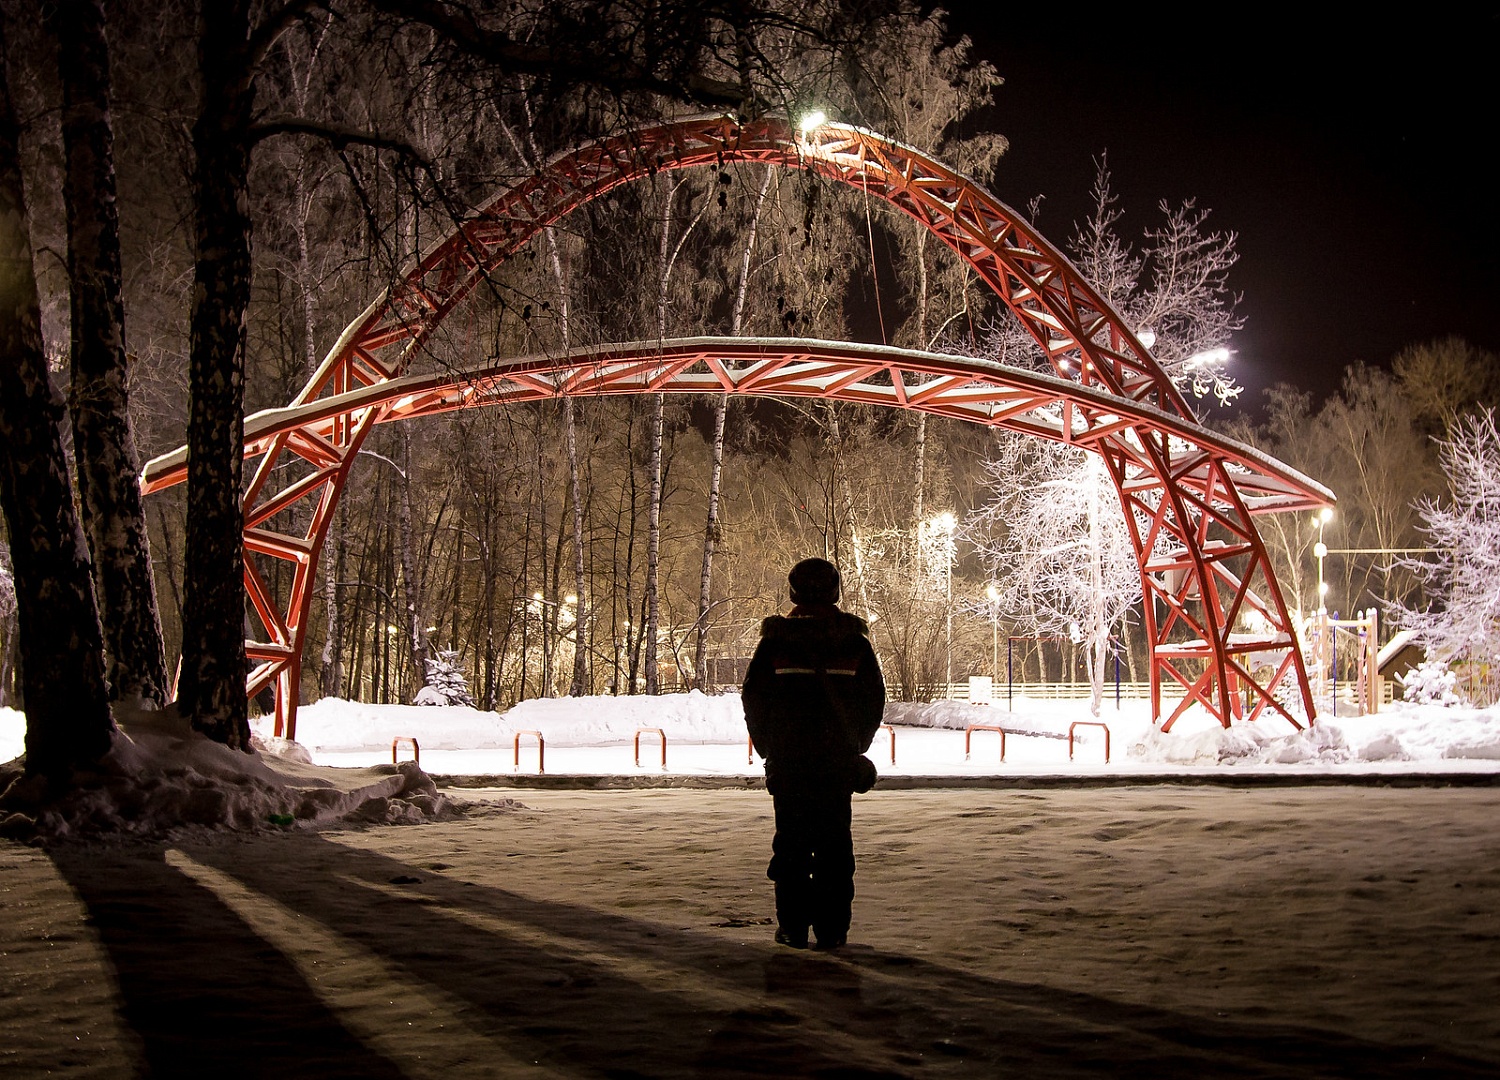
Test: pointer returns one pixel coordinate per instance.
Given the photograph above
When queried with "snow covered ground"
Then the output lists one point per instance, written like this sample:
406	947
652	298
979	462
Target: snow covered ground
706	736
1153	930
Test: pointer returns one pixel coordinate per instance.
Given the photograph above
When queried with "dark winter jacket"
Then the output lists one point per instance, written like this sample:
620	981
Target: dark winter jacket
813	697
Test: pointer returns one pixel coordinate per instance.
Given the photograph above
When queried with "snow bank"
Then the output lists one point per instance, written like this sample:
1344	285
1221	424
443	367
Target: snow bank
332	725
590	721
12	734
1243	744
161	776
1028	717
1402	733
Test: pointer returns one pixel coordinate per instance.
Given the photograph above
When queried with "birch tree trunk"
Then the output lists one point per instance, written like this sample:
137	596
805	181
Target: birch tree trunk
670	250
103	444
653	546
330	668
846	498
335	548
61	646
658	411
716	467
213	654
577	687
411	581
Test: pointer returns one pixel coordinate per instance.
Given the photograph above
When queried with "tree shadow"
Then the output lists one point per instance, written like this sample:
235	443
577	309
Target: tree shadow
592	991
193	977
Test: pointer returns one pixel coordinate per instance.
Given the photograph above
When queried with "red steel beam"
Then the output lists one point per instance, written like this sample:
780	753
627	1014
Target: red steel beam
1109	395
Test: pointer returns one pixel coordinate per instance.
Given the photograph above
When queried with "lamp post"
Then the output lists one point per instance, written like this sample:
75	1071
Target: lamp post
1320	552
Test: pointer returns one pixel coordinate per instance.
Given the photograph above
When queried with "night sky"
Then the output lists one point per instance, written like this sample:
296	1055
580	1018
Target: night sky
1353	160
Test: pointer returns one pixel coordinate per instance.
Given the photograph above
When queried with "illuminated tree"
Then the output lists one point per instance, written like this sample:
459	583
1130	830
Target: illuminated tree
1052	539
1463	573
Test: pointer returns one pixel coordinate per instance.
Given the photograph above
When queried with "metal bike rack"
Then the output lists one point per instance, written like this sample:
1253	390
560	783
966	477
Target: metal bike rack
1076	724
969	733
541	751
416	751
646	731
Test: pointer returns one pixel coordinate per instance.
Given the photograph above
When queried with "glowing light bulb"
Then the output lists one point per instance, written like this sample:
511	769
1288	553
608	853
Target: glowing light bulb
811	121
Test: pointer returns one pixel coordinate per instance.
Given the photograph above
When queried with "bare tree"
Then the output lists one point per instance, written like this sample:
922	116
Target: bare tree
1369	444
103	443
924	89
1442	379
68	721
711	530
8	649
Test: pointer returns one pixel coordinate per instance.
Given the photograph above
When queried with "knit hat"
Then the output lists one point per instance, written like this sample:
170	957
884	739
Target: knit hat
814	581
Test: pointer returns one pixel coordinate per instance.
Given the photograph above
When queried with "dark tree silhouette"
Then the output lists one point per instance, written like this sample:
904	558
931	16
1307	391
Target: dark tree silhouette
103	444
62	652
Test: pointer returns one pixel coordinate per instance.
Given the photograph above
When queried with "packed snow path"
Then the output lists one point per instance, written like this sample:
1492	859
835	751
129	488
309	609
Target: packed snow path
1160	931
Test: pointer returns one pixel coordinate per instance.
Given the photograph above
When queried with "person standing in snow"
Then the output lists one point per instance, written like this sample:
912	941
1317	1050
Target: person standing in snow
813	698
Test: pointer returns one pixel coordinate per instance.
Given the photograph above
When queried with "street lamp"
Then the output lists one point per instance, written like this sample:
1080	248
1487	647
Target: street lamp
811	121
1320	551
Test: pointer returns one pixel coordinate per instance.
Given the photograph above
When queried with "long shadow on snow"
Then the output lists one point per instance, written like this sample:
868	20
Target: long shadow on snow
193	976
583	988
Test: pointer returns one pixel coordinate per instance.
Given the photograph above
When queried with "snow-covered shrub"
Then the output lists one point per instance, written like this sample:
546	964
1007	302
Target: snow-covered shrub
446	684
1430	683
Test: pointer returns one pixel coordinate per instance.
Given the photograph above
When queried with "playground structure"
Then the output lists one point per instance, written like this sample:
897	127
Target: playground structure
1187	494
1325	637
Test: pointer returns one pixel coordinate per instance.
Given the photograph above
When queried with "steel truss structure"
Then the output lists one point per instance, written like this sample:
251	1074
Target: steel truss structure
1217	623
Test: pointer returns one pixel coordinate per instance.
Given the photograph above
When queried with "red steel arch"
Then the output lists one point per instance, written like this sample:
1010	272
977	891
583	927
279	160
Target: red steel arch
1187	495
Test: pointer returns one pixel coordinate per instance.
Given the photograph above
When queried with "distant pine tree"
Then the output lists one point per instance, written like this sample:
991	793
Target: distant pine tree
446	684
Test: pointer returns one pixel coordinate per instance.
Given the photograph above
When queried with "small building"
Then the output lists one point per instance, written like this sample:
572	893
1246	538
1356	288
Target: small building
1396	657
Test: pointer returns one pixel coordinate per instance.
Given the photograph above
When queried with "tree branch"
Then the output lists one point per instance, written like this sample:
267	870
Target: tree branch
337	136
590	67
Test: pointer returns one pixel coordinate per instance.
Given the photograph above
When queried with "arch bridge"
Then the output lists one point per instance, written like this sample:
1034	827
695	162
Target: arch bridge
1217	623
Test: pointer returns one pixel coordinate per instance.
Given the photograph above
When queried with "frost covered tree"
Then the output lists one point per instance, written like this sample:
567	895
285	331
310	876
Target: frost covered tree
1172	287
1463	576
1431	682
1052	539
1052	533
